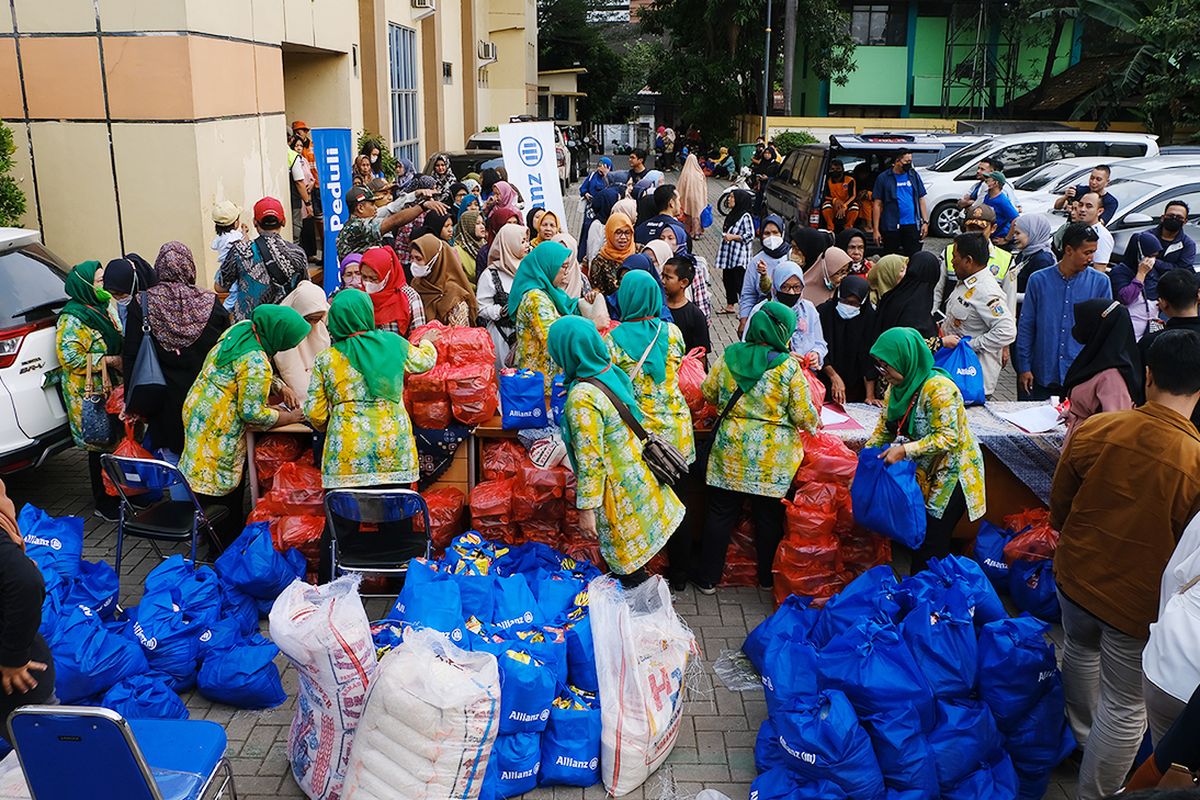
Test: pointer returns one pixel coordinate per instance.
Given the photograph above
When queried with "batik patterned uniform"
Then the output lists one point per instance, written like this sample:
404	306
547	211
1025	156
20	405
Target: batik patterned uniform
76	343
664	410
635	514
943	447
535	315
369	440
221	403
757	449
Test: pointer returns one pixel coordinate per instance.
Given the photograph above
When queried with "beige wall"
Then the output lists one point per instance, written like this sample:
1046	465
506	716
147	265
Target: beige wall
452	137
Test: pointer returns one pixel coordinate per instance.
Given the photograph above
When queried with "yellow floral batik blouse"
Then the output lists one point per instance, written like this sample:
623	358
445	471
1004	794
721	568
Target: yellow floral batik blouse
664	410
77	343
535	315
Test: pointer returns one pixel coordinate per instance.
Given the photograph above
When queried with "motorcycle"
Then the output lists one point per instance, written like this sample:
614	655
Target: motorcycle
725	201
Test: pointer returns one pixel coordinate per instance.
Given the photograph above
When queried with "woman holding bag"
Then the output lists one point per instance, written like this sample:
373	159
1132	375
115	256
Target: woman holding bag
765	403
89	349
923	406
620	501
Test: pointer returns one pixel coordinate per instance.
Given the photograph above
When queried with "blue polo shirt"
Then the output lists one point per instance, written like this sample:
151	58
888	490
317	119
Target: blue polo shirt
899	195
1045	345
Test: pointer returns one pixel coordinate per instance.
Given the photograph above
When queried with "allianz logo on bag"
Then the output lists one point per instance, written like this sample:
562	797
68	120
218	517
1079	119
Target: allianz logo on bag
53	544
531	413
969	372
522	716
574	763
807	758
994	564
507	775
525	618
150	643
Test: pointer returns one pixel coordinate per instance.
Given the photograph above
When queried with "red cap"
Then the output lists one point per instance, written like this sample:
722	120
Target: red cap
299	125
268	207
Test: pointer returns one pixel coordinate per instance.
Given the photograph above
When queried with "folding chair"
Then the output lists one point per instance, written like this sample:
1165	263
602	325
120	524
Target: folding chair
78	751
149	508
375	506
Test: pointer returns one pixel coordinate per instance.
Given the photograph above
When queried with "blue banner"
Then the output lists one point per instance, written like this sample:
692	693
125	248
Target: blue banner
334	154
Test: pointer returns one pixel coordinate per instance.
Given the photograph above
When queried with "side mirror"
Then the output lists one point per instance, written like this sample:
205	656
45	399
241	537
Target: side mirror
1136	218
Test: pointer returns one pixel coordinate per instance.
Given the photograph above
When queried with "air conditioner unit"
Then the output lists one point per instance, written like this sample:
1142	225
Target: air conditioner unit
422	9
487	52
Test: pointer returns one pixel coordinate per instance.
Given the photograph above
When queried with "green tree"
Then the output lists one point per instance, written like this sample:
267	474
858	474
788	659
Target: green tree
12	199
567	39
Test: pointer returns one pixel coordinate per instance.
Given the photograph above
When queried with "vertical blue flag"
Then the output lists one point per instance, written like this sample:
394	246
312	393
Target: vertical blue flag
332	148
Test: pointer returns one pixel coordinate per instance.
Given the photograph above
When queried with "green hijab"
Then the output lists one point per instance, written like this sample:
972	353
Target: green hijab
270	329
537	271
378	356
904	349
884	276
768	337
89	305
640	299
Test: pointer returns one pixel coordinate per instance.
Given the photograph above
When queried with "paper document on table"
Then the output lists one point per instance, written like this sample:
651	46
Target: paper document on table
831	417
1036	419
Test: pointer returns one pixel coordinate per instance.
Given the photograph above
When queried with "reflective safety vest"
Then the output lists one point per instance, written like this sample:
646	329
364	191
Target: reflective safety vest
999	261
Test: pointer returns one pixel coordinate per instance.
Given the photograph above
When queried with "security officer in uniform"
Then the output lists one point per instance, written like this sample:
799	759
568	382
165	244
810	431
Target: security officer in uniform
978	308
980	219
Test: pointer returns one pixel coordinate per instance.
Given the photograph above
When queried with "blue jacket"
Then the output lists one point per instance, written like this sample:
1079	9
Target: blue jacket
1045	345
885	190
594	184
1179	253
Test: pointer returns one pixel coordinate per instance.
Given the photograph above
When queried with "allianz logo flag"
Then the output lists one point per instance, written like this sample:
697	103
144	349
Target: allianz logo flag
532	164
332	149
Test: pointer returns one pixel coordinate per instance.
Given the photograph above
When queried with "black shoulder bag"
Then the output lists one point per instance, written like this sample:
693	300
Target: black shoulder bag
662	458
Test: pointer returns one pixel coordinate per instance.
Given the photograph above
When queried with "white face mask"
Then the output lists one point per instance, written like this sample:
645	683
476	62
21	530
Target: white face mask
374	158
373	287
421	271
773	242
847	311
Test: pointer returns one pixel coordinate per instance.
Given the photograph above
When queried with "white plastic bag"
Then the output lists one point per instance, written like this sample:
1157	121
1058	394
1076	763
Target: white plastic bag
430	723
596	311
323	630
642	651
12	779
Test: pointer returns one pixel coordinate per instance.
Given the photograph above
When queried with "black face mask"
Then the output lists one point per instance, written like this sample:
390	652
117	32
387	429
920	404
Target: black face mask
788	300
837	176
907	167
1171	225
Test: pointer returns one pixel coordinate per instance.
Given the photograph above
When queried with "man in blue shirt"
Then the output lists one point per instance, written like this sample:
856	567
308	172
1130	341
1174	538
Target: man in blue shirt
1045	345
899	214
666	203
1005	211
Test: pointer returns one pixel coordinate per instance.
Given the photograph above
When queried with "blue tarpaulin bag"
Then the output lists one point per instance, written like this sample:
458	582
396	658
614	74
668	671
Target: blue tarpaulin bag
199	586
169	639
557	595
903	752
942	641
433	604
995	781
477	593
236	604
90	659
792	620
767	752
144	697
95	587
781	783
706	217
1032	586
514	603
522	399
871	663
571	743
824	741
963	740
1017	668
871	595
965	370
989	553
55	542
253	565
526	690
790	672
558	400
243	675
53	602
581	656
1039	743
517	757
887	499
968	577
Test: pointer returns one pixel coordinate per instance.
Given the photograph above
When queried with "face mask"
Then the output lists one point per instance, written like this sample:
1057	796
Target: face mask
836	175
123	310
374	158
1172	225
354	281
421	271
788	300
907	167
773	242
371	287
847	311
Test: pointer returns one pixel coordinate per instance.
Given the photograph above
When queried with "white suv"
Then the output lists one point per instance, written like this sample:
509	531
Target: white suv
33	421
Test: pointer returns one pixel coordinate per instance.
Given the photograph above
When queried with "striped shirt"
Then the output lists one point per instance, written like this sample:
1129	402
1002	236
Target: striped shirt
737	253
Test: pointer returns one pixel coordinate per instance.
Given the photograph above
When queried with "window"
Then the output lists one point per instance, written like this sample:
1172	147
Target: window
562	107
1188	194
1019	158
1058	150
1125	150
447	73
879	25
543	106
402	60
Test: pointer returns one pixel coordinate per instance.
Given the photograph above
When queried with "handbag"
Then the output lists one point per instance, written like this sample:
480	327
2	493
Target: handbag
95	426
147	384
662	458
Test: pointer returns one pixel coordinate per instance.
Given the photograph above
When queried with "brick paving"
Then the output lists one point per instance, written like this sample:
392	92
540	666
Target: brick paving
715	748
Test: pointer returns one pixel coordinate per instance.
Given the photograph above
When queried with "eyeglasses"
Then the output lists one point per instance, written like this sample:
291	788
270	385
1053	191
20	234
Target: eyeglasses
881	368
1179	217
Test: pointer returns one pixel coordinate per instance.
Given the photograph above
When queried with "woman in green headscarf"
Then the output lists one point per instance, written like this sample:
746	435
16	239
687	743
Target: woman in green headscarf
230	394
86	332
757	448
924	407
535	301
619	499
884	276
356	396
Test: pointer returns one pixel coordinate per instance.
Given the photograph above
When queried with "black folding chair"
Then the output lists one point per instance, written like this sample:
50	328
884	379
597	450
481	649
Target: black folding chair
383	552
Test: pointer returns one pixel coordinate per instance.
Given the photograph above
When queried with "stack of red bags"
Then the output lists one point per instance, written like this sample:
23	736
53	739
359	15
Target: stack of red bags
295	508
446	507
1035	539
461	387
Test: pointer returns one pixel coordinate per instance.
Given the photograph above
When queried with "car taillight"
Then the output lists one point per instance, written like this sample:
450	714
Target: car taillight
11	340
814	219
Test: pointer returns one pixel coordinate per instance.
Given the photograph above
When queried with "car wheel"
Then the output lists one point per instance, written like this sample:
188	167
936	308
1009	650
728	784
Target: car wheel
946	220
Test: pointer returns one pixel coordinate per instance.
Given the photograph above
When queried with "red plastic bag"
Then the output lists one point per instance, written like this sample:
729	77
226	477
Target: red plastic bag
538	494
272	451
446	507
548	533
297	490
474	392
1028	518
502	459
581	548
491	504
429	385
741	568
129	448
742	538
115	404
301	532
812	513
466	346
827	459
431	414
1036	544
807	561
816	389
860	549
691	377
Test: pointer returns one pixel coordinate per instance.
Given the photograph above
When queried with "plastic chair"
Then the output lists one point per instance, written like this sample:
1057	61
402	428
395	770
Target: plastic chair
77	751
149	508
375	507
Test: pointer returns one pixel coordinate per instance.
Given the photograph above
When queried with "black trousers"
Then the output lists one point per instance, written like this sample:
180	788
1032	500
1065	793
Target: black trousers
937	531
234	503
104	502
906	241
732	278
724	509
691	492
42	694
1038	392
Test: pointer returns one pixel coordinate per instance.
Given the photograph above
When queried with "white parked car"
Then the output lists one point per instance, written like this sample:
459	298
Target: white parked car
33	420
953	176
1042	201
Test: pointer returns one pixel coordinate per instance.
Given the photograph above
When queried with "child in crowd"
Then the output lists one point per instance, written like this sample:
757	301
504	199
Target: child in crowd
677	275
227	221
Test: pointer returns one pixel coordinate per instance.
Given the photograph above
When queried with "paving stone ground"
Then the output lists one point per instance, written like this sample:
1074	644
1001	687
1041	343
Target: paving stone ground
715	748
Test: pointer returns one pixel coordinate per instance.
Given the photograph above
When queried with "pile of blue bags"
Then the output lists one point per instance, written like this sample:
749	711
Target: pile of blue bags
195	626
912	690
528	606
1029	580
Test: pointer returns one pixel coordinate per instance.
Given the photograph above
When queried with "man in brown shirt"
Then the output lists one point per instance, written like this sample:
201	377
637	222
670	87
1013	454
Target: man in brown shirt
1126	486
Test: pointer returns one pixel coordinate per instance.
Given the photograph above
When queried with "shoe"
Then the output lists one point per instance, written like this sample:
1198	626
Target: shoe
706	589
769	583
106	515
678	584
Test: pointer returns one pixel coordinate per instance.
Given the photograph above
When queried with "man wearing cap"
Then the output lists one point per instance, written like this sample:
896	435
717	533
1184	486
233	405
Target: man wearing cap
300	129
226	216
1005	211
264	270
979	219
978	308
365	230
